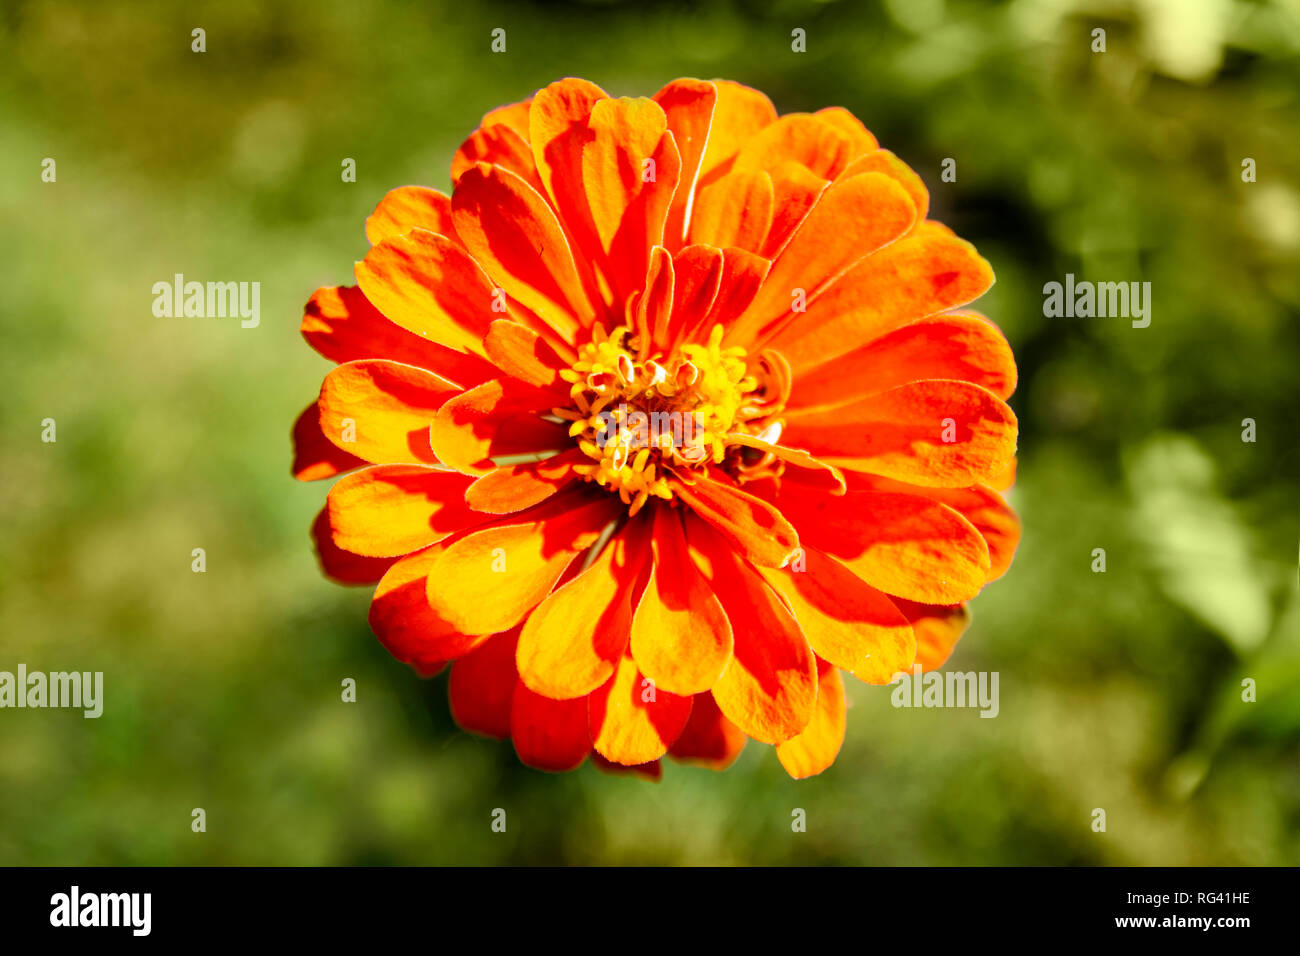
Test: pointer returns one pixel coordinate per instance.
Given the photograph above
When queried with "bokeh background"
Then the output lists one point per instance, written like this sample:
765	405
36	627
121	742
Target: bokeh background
1119	690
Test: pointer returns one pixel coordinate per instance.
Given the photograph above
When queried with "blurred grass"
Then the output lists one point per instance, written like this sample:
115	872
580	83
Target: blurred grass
1119	691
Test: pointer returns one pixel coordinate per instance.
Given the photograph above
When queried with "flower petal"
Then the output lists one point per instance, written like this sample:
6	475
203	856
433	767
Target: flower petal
680	636
688	105
697	277
853	218
388	510
401	617
818	473
817	747
428	284
962	346
481	688
512	488
813	141
410	207
847	621
937	628
769	689
883	161
735	210
795	190
905	545
488	580
523	354
381	411
633	721
756	529
340	323
937	433
314	455
927	272
500	145
739	114
509	228
709	738
496	419
344	566
981	506
630	167
549	734
572	641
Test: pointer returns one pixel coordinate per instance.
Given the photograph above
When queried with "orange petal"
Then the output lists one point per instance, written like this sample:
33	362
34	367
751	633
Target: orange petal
795	190
314	455
627	197
938	433
549	734
961	346
381	411
680	636
571	643
511	230
735	210
815	142
514	115
481	688
500	145
341	324
847	621
654	308
742	276
883	161
512	488
697	277
652	771
981	506
488	580
738	116
709	738
401	617
495	419
523	354
633	721
928	272
769	689
344	566
688	105
816	748
410	207
430	285
853	218
848	124
754	528
904	545
820	474
937	628
387	510
557	122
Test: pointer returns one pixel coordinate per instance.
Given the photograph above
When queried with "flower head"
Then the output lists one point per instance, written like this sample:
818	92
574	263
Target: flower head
660	421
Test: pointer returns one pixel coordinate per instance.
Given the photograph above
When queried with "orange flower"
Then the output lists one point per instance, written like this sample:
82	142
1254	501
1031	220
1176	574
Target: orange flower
661	420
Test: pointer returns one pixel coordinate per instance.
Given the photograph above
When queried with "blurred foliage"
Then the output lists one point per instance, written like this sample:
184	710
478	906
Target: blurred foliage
1119	690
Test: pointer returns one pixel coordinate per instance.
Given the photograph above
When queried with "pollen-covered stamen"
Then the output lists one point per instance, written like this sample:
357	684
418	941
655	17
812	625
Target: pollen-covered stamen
642	418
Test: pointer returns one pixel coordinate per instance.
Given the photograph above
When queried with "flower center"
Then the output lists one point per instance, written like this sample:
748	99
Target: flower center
643	418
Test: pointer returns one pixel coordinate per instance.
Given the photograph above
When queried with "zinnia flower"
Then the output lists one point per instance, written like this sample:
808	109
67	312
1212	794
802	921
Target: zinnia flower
660	421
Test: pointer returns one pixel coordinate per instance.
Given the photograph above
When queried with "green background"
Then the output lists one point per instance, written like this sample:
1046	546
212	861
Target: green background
1119	691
